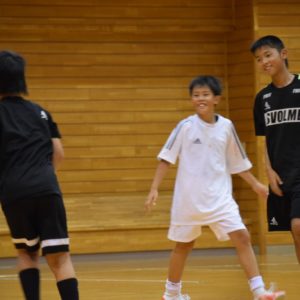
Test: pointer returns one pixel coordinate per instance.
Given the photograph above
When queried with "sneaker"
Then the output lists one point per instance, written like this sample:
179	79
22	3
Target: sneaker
179	297
279	295
271	294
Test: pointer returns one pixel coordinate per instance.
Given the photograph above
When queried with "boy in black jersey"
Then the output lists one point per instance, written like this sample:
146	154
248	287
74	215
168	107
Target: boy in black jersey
30	150
277	117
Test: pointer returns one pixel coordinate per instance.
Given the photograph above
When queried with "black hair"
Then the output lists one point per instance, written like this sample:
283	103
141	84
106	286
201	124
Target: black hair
12	73
207	80
271	41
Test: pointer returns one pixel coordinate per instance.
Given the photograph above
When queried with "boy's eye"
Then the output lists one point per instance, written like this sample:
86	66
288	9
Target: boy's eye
202	95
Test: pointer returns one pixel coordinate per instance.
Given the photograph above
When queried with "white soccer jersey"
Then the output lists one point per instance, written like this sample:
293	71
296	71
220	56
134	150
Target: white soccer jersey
208	155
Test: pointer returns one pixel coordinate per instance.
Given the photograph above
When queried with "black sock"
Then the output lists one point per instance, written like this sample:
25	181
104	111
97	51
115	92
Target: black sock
68	289
30	281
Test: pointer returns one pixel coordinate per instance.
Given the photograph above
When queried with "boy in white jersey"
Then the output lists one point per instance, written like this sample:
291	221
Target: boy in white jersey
209	152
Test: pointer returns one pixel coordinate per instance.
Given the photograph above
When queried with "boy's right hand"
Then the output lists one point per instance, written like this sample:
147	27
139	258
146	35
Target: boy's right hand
275	182
151	200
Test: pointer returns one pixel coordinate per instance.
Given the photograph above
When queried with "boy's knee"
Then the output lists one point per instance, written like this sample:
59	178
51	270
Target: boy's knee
57	260
241	237
184	247
25	255
27	259
296	228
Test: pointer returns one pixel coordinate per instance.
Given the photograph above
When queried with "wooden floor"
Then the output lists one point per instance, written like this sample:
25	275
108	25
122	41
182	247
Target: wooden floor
209	275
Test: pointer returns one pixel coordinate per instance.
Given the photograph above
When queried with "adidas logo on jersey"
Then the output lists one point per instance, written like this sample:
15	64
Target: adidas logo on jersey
267	106
44	115
296	91
274	222
265	96
197	141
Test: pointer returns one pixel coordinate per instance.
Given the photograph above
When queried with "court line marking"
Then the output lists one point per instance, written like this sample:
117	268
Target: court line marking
10	277
7	277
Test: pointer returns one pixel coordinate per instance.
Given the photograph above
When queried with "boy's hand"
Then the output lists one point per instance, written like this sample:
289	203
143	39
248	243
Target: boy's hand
151	200
275	182
261	189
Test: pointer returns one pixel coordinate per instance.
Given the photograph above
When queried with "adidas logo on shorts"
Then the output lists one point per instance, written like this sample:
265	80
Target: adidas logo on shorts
274	222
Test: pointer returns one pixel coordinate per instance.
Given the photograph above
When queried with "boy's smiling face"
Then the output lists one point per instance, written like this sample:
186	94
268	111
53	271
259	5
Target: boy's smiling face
204	102
270	60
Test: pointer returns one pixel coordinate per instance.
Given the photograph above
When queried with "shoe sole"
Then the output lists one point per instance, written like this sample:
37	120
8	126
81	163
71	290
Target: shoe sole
278	296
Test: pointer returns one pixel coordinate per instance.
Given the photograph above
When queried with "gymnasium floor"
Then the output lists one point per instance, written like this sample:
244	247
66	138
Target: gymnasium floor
209	275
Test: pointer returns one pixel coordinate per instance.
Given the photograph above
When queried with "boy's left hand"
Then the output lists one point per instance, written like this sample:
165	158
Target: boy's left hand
151	200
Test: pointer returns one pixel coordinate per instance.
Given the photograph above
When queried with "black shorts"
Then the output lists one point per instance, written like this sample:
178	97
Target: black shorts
38	222
281	210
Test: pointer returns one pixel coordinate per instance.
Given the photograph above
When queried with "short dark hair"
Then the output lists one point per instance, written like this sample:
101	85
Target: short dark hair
271	41
12	73
207	80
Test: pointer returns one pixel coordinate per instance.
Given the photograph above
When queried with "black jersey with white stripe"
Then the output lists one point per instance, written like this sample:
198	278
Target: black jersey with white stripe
26	132
277	116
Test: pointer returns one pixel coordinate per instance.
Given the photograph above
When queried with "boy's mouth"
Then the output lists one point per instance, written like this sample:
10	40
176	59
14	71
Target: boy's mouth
267	68
201	105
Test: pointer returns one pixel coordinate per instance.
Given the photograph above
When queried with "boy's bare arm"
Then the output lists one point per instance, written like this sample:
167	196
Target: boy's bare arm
58	152
160	173
274	179
257	186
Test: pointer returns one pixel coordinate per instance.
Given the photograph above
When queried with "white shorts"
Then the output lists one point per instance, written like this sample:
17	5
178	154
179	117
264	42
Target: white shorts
221	228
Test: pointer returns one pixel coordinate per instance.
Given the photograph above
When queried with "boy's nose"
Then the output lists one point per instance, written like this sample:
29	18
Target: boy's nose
265	61
201	98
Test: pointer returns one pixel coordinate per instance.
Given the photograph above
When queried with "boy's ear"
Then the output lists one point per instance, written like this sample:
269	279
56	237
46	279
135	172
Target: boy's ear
217	99
284	53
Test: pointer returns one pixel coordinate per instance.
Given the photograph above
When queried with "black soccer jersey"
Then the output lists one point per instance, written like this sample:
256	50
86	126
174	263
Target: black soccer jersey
277	116
26	150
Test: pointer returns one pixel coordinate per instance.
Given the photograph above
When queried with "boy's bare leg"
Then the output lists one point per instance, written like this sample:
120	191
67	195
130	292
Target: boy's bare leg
242	242
61	265
27	260
29	274
178	259
296	236
63	270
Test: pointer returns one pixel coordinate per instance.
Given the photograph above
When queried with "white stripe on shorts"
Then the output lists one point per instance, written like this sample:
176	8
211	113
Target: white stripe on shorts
28	243
55	242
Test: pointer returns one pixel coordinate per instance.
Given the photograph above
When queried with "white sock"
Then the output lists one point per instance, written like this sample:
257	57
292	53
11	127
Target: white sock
257	285
173	288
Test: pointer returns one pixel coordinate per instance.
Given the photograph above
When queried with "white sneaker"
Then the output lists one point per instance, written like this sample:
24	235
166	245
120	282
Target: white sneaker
178	297
279	295
271	294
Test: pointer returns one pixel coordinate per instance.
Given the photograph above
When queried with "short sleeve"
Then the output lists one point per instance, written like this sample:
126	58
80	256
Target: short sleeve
258	116
52	126
237	159
172	147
